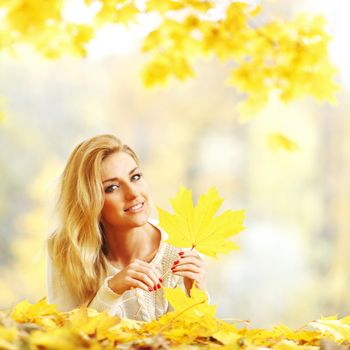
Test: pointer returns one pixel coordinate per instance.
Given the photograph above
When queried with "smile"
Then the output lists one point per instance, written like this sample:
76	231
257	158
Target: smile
137	207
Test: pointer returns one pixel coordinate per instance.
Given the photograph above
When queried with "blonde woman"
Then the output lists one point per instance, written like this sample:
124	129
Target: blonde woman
107	253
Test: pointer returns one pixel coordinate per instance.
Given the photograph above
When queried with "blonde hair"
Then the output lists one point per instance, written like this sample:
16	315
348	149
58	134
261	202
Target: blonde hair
77	246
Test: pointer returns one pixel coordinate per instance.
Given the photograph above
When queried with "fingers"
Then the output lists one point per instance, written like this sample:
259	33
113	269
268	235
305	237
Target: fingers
189	258
153	272
135	283
190	265
187	267
190	275
143	275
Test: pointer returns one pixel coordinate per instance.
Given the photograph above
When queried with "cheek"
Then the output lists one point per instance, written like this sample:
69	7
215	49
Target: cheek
110	207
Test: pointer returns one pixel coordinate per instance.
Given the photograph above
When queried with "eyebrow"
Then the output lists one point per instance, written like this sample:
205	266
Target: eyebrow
116	179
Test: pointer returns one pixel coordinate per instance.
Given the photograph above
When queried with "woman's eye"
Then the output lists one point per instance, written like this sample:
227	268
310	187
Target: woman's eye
111	188
136	177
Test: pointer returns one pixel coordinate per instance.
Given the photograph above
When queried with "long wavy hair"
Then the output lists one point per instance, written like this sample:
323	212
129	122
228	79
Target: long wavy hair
77	246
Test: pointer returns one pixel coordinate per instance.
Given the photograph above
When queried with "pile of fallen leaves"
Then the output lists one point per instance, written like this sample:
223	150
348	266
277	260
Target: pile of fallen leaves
191	325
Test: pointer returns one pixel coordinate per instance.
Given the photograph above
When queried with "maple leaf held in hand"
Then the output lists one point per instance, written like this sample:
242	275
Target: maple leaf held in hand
197	227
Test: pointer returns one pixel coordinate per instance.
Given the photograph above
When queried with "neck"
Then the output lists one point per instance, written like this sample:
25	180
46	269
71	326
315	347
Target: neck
124	245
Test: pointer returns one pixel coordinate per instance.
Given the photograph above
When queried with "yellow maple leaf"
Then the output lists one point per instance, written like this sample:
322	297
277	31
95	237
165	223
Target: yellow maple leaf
40	313
56	339
194	306
227	334
97	324
197	227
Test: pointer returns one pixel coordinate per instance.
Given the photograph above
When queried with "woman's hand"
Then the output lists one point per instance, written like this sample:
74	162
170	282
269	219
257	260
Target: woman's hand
138	274
192	268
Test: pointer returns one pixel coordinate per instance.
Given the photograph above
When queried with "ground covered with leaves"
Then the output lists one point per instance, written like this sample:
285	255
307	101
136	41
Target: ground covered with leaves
191	326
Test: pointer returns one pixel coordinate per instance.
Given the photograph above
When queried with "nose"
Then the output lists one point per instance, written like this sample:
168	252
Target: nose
130	191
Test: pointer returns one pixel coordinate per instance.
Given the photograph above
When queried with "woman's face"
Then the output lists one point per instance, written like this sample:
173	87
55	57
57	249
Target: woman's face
126	202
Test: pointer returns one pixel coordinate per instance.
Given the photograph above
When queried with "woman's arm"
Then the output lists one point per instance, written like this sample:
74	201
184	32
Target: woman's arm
59	293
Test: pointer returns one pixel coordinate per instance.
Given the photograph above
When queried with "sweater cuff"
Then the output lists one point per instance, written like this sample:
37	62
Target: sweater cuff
105	296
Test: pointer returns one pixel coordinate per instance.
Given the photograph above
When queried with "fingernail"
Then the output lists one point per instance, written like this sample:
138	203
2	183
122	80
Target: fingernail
160	279
176	262
173	268
158	285
155	288
181	253
150	289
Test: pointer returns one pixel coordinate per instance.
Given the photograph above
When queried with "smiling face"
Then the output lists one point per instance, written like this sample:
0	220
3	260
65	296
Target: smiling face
126	201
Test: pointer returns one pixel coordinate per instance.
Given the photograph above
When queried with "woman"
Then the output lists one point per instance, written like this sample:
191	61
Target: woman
107	253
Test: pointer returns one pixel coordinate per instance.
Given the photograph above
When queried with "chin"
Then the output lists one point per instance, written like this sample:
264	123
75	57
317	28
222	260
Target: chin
140	221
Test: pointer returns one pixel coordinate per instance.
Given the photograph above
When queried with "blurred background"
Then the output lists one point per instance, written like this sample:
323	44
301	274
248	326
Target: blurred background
293	265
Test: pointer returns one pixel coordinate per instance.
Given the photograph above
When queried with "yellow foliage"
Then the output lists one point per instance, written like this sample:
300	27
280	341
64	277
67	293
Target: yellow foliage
96	324
171	5
40	23
191	325
116	11
192	313
197	227
331	326
287	57
163	66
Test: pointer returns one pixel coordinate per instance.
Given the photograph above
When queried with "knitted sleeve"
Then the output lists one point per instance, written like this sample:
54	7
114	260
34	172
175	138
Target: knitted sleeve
59	293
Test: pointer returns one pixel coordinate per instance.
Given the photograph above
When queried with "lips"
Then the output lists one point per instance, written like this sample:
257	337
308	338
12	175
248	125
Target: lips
135	208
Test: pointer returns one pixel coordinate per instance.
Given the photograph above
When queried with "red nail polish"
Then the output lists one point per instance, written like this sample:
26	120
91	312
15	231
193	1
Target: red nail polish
181	253
158	285
150	289
155	288
160	279
176	262
173	268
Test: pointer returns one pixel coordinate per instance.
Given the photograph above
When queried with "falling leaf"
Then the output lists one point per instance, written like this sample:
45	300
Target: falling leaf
279	142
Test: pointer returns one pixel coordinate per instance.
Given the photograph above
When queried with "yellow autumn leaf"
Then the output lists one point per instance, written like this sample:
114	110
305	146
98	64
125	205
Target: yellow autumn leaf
99	324
56	339
338	328
163	6
228	334
40	313
279	142
7	337
116	11
300	336
290	345
194	306
197	227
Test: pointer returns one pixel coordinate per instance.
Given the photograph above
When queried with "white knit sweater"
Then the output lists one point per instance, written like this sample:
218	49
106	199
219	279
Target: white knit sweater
134	304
